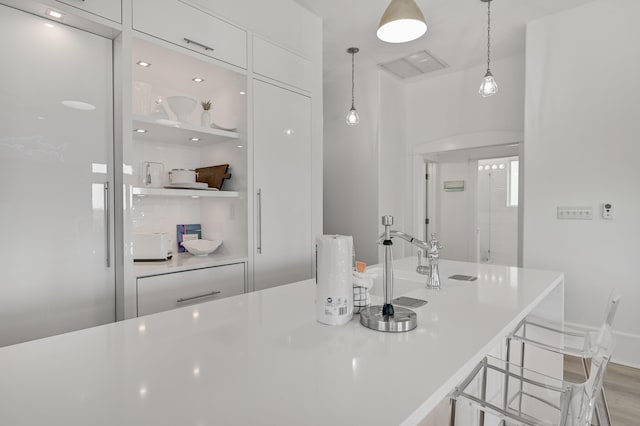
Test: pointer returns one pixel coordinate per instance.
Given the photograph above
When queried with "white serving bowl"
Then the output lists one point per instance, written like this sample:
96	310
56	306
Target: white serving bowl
182	106
201	247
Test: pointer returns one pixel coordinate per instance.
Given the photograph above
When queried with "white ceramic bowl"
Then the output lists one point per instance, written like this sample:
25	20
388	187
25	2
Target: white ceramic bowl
182	106
201	247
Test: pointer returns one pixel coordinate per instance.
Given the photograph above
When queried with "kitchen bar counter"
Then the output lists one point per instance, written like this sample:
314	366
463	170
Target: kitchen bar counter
262	359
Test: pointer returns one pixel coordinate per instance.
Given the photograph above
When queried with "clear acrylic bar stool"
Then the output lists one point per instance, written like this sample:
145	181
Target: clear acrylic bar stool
504	393
565	340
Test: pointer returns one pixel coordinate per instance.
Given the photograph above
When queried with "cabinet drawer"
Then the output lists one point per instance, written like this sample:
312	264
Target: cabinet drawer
279	64
186	26
163	292
109	9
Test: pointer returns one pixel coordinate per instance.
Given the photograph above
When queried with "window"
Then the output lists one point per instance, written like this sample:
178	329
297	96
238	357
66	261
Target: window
512	196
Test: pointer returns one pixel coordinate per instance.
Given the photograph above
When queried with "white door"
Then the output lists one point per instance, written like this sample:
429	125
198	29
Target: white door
56	145
282	180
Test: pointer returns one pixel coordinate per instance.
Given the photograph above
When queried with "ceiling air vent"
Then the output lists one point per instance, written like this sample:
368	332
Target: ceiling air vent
413	65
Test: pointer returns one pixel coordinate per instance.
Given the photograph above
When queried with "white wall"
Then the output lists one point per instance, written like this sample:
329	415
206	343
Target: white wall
582	149
450	105
455	212
351	161
364	172
392	156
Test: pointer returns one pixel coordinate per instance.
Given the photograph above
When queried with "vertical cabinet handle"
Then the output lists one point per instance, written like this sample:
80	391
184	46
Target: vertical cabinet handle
259	245
204	46
107	223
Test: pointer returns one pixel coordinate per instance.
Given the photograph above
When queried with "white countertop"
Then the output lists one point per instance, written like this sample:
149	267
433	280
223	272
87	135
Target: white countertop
262	359
183	262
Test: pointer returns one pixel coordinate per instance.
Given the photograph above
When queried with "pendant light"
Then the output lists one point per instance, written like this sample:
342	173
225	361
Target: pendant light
403	21
489	87
352	115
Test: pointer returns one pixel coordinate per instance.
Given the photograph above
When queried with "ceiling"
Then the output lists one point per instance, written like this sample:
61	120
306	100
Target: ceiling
456	35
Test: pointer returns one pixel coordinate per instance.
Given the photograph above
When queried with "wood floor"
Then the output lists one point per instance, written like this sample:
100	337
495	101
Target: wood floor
622	386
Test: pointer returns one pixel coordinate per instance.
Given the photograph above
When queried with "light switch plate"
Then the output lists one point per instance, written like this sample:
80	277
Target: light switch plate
575	213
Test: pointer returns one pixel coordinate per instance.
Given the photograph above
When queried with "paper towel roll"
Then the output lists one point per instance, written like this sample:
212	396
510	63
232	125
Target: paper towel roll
334	289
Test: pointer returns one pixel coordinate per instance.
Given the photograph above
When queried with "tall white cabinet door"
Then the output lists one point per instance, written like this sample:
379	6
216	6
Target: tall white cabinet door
56	149
282	182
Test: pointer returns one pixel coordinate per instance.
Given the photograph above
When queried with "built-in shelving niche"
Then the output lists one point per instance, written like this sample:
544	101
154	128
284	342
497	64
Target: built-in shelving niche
159	136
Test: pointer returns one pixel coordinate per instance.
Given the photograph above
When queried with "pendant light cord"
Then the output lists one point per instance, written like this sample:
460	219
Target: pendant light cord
353	54
489	35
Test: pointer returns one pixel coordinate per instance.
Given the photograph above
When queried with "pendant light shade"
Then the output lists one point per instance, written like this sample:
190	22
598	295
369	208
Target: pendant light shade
489	87
403	21
352	116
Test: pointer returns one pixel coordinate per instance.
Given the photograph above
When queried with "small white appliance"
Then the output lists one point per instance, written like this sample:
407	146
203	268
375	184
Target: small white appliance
334	287
151	246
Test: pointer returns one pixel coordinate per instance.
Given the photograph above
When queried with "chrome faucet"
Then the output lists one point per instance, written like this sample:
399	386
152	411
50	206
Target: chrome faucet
433	254
431	250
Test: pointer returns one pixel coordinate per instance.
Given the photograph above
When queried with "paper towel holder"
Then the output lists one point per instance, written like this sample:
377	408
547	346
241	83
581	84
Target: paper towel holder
387	317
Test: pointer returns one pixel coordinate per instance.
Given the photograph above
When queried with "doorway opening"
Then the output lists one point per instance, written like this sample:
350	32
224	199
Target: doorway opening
472	201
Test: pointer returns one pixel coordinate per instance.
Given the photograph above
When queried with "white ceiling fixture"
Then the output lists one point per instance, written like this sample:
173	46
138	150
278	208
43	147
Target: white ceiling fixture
403	21
352	115
413	65
54	14
489	87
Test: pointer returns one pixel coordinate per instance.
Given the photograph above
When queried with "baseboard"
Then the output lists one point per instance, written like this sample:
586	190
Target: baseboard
627	350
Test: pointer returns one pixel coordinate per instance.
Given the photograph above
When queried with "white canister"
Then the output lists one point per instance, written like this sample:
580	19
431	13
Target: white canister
178	176
334	288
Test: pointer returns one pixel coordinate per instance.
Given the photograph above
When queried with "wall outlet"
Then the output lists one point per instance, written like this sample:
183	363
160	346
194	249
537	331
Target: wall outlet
607	211
575	213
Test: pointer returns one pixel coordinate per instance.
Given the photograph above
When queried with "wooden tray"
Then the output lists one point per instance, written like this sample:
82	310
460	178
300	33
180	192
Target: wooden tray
214	176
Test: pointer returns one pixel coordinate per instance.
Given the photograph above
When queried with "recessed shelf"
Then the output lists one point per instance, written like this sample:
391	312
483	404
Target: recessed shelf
192	193
180	133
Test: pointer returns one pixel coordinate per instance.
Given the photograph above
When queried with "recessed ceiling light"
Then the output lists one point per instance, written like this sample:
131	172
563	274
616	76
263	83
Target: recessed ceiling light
49	25
194	139
243	93
54	14
143	64
140	131
240	146
198	79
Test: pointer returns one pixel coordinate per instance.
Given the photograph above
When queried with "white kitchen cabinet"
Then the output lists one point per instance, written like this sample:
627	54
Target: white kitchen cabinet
186	26
282	184
282	65
109	9
163	292
56	178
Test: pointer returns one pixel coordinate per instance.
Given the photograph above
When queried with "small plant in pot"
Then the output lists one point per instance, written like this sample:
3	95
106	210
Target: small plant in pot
205	118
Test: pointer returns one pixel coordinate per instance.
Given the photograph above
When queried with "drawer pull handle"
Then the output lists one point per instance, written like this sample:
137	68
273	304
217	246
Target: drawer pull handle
186	299
204	46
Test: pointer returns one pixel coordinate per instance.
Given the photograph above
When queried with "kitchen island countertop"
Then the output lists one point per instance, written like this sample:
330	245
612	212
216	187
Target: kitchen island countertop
262	358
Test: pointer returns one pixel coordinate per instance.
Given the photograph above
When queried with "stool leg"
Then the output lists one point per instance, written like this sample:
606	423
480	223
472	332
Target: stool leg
505	399
603	416
521	374
452	412
483	393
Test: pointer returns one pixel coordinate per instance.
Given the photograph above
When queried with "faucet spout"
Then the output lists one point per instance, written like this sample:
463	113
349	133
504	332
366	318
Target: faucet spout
408	238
